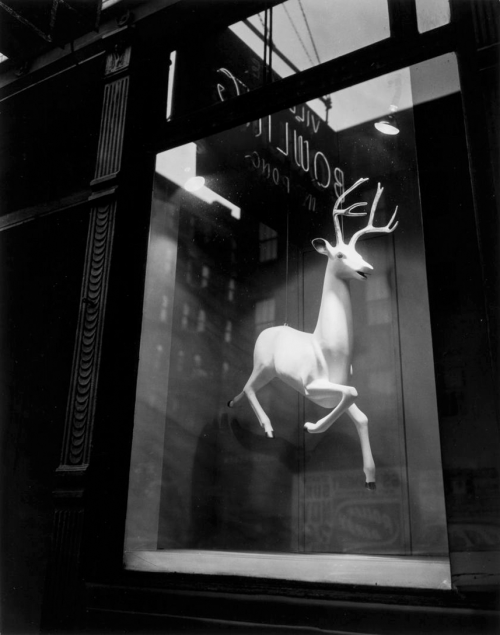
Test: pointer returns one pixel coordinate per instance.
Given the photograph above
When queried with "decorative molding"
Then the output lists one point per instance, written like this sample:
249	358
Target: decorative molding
118	59
109	152
81	404
62	589
79	424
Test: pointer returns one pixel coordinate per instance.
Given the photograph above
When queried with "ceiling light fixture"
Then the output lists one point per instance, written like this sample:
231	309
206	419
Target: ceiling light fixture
388	125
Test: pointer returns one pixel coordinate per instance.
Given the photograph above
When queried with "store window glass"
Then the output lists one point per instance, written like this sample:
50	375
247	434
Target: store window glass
291	37
305	33
233	253
432	14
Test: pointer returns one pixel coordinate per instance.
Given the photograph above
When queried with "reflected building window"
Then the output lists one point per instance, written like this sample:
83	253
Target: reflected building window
159	355
379	312
452	384
228	331
163	310
198	370
234	248
265	314
231	289
268	243
202	321
168	267
189	271
205	276
185	316
181	359
382	383
378	301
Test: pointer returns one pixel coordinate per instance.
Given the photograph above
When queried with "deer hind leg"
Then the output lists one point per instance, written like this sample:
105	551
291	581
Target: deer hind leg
323	389
361	423
257	380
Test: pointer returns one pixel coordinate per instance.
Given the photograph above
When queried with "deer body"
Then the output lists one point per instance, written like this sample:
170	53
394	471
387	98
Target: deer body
317	365
299	358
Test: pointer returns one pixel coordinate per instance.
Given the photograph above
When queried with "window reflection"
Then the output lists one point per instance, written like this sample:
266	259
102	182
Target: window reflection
268	241
432	14
265	313
308	32
291	37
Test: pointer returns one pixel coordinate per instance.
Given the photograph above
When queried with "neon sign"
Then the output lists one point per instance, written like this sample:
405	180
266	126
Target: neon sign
290	144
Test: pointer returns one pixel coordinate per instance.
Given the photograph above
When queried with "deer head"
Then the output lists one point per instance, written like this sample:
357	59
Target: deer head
343	257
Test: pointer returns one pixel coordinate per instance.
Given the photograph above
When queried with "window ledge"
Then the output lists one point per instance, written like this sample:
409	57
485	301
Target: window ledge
383	571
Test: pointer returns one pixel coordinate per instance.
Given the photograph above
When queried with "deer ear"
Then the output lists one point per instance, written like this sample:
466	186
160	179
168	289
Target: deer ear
321	246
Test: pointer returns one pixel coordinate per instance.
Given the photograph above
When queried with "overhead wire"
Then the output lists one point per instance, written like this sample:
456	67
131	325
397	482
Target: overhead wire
327	100
309	31
298	34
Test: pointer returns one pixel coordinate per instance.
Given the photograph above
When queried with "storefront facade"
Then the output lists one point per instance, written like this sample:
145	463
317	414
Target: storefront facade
169	180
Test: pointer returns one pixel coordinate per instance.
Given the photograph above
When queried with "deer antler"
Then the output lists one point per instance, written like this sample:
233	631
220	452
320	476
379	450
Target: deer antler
345	212
387	229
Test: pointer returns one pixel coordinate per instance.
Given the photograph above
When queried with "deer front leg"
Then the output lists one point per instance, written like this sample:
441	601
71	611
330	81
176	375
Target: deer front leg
361	423
322	389
258	379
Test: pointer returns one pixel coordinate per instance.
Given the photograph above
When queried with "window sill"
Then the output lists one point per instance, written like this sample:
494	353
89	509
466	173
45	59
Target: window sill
381	571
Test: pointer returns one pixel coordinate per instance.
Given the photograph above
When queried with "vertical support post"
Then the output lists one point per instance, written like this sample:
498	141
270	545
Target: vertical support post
402	18
478	63
63	583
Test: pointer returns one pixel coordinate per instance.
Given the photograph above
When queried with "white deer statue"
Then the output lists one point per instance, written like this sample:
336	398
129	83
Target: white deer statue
318	364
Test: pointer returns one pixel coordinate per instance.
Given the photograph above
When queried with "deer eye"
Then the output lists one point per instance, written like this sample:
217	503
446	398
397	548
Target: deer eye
340	255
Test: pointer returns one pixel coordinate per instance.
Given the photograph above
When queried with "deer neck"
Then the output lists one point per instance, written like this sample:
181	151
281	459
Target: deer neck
334	326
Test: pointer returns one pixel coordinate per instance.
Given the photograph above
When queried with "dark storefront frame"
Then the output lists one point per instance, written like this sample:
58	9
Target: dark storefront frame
86	583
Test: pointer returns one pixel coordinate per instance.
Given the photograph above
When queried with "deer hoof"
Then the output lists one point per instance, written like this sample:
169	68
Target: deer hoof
309	427
270	435
371	486
230	403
